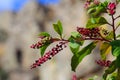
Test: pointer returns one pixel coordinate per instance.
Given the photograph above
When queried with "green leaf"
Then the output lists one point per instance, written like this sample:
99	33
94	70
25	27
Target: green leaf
118	0
76	38
75	34
99	10
96	22
43	48
110	35
74	47
96	10
60	25
58	28
115	43
102	20
91	10
110	70
77	58
116	51
75	43
115	47
44	34
112	76
104	4
118	36
93	78
105	49
118	61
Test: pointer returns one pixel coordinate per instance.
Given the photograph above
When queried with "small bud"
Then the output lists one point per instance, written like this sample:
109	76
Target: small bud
74	77
111	8
111	12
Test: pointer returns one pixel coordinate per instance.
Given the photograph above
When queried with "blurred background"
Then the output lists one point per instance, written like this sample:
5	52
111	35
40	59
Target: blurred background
21	21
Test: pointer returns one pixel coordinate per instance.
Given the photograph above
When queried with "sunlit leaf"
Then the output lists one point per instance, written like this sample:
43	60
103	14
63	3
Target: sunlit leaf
44	34
96	22
75	34
93	78
74	47
110	70
112	76
77	58
115	47
58	28
103	30
91	10
105	49
118	36
110	35
43	48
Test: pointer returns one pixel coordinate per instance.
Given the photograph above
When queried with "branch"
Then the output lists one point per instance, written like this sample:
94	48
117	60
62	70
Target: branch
109	24
117	17
113	25
100	39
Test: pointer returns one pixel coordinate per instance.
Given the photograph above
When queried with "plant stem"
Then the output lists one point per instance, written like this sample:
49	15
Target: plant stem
100	39
113	25
117	17
109	24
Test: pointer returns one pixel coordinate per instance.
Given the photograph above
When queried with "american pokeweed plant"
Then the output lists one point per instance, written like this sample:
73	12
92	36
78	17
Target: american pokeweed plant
97	30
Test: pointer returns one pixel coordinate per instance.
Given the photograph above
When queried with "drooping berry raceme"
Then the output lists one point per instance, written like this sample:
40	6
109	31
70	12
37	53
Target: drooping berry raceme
48	55
90	33
40	43
104	63
36	45
111	8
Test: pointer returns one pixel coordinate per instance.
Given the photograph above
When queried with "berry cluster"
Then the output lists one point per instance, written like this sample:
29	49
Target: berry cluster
36	45
111	8
96	2
89	2
105	63
50	54
91	33
40	43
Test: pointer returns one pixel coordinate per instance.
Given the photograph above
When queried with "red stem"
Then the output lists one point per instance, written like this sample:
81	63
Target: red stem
101	39
113	26
56	39
117	17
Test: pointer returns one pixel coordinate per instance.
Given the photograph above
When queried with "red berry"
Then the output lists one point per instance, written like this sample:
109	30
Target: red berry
49	54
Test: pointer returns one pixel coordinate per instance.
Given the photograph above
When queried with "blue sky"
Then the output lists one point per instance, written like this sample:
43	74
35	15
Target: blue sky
47	2
16	5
